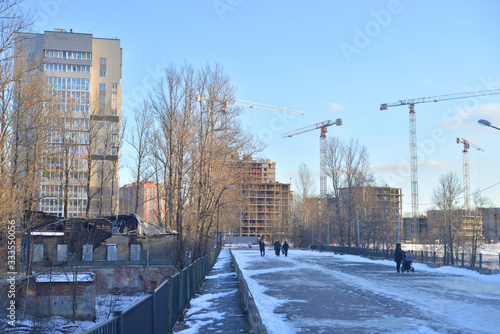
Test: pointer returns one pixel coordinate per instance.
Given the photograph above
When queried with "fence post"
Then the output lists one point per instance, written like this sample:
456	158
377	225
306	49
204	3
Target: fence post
422	257
181	288
188	281
170	302
153	306
463	258
434	257
480	260
119	322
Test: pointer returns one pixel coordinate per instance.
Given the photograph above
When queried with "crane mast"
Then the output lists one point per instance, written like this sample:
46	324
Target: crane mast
413	140
466	180
322	148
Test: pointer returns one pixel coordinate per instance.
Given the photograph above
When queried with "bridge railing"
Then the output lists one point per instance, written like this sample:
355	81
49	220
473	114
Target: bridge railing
158	312
463	259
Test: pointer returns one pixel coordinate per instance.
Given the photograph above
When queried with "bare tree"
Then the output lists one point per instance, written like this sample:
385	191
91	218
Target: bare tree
480	201
335	172
356	176
304	206
194	145
445	197
141	140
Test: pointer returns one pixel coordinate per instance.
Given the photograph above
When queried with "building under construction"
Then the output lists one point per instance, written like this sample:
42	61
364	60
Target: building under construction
265	203
468	228
379	209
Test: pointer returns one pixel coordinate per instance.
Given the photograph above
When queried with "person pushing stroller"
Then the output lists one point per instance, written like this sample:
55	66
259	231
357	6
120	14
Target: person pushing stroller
398	256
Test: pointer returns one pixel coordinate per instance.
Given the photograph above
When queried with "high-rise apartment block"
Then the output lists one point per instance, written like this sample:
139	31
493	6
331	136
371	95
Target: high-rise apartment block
265	203
149	205
83	75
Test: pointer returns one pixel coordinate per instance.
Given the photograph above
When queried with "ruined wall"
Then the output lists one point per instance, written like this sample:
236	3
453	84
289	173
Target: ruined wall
130	279
56	299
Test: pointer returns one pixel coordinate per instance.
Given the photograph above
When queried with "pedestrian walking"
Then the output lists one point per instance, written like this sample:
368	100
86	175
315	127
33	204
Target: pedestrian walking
284	248
398	256
277	247
262	247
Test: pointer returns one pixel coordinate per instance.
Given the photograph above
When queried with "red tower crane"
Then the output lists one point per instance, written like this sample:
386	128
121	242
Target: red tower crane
322	145
413	139
226	101
467	145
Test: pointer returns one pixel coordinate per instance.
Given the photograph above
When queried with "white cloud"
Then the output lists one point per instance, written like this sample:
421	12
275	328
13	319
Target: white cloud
399	169
335	106
464	118
436	164
404	168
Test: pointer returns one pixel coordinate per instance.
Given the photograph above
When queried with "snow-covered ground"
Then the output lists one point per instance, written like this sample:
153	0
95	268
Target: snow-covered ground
105	305
218	309
319	292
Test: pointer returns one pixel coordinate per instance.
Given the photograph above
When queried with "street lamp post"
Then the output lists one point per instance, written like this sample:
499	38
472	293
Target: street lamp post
487	123
218	207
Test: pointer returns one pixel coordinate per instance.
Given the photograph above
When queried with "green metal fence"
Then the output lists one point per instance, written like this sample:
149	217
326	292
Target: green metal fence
158	312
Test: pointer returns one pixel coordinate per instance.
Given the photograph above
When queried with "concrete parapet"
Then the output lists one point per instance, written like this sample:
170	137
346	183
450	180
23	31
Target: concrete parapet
254	317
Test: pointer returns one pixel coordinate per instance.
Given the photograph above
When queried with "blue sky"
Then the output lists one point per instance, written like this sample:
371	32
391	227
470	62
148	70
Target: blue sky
330	59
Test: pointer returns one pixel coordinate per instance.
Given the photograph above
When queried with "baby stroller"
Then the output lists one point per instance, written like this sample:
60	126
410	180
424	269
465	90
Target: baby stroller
407	263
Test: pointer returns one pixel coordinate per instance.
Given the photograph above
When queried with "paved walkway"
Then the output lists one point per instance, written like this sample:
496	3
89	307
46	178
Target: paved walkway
218	308
312	292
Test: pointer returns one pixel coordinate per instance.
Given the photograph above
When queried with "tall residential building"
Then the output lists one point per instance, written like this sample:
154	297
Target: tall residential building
265	203
83	74
151	208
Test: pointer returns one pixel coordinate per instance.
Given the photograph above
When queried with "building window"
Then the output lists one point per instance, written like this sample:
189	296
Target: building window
102	61
62	252
111	252
38	252
102	86
87	252
102	99
135	252
102	74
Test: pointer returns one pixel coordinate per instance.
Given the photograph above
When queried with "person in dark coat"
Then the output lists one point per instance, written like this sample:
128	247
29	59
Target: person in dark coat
284	248
262	247
277	247
398	256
